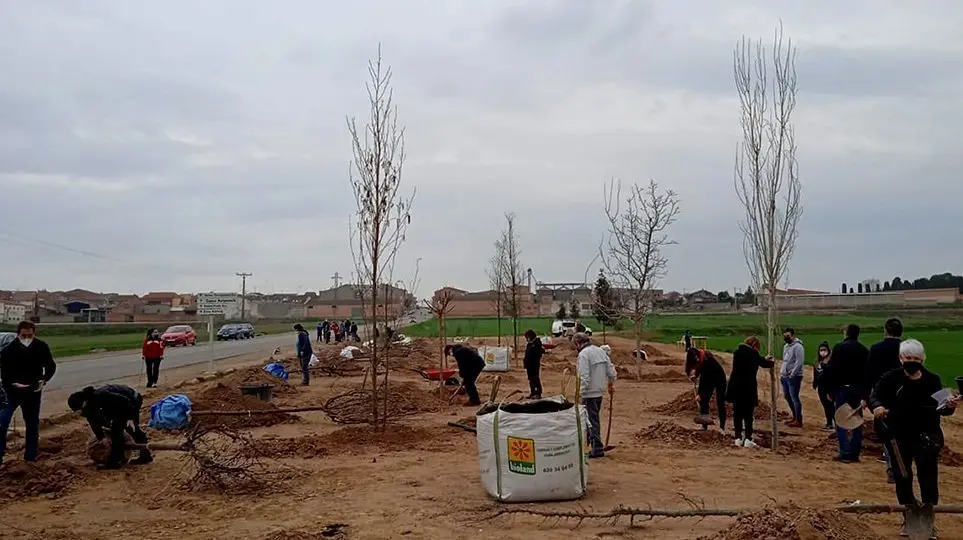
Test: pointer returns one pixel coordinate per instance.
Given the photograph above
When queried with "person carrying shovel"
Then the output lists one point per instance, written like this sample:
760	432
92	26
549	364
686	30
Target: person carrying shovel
114	408
701	365
907	417
595	372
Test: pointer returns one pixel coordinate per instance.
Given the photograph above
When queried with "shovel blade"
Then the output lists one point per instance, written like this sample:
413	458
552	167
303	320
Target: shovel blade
918	522
704	420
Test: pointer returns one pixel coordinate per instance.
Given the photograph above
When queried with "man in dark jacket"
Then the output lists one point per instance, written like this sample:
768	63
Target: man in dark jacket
304	352
743	390
847	372
883	358
114	408
908	419
470	366
26	366
533	363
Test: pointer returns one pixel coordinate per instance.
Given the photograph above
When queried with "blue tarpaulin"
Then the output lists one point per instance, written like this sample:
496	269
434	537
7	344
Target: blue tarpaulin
171	412
277	369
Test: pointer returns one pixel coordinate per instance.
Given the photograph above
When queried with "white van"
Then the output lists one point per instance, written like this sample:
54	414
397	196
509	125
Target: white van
566	327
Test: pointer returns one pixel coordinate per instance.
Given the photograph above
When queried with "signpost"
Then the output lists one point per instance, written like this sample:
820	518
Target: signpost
212	304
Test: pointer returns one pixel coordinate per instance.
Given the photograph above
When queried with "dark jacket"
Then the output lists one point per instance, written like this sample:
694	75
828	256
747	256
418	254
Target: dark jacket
883	358
304	345
533	355
821	377
743	387
912	409
847	368
26	365
470	363
707	369
109	404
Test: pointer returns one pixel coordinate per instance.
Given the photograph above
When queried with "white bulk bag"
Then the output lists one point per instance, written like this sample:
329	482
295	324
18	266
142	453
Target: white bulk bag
529	457
496	358
348	352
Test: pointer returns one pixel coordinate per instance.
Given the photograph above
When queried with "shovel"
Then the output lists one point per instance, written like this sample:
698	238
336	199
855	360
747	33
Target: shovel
918	522
608	430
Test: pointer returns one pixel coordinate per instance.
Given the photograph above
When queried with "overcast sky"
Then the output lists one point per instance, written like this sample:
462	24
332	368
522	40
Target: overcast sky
168	145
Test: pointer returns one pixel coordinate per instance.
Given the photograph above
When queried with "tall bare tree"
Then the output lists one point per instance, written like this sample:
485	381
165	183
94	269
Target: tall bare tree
634	253
382	212
440	306
512	277
766	172
496	277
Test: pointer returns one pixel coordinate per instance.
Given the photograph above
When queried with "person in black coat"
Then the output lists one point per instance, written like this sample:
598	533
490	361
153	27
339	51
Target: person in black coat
847	376
26	366
908	419
533	363
470	366
743	390
115	409
700	364
822	386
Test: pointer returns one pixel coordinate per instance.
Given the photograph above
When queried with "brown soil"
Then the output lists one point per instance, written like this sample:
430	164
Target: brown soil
667	361
221	397
307	447
793	523
684	404
396	438
334	531
665	376
257	375
950	457
669	432
19	480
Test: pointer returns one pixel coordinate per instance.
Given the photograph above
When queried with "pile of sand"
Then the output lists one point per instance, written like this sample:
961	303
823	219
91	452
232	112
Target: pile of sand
221	397
19	480
679	437
793	523
306	447
257	375
685	404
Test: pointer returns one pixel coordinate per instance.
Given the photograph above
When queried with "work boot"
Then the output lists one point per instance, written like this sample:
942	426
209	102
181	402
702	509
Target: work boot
829	427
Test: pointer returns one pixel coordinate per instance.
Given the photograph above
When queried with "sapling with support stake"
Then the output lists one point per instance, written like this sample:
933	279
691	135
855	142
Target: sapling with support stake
512	277
767	175
382	213
635	251
440	306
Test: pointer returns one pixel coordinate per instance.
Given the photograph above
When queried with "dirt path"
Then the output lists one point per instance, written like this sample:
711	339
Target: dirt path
421	479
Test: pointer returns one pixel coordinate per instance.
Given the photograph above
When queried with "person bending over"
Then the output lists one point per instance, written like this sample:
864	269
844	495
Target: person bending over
113	409
743	390
470	366
701	365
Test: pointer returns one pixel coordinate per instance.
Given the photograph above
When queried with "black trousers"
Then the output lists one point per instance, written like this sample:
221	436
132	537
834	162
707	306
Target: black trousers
119	427
705	394
534	380
743	412
927	471
153	370
829	409
470	388
320	336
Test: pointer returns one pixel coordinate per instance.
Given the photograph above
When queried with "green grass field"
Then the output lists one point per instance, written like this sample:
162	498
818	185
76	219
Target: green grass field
79	339
941	333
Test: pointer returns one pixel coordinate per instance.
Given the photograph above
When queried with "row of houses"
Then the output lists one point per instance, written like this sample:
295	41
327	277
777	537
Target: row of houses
798	299
545	300
79	305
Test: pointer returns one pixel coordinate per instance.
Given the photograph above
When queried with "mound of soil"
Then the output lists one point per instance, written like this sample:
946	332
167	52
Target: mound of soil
363	439
950	457
257	375
307	447
793	523
667	361
229	398
684	405
68	444
19	479
671	376
679	437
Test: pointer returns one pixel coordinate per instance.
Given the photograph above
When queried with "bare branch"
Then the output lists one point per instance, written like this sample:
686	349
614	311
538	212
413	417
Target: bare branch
766	174
440	306
507	249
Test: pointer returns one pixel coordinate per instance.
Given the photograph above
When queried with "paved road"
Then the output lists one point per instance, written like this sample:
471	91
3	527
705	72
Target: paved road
78	372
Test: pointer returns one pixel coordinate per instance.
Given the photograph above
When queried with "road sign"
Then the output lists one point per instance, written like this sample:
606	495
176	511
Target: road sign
214	303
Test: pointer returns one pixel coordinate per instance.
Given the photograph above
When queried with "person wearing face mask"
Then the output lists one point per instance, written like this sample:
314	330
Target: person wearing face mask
26	365
908	419
821	380
595	372
701	365
152	352
791	374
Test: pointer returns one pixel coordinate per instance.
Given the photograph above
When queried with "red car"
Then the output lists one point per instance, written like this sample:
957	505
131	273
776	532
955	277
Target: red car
179	335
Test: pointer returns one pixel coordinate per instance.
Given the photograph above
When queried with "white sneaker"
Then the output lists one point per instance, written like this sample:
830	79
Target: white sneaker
750	444
740	442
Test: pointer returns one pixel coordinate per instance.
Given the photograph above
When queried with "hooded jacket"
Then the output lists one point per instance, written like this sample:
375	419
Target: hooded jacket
743	387
821	376
595	371
793	358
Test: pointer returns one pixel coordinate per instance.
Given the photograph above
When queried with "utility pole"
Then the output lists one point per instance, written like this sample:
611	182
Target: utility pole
337	280
243	276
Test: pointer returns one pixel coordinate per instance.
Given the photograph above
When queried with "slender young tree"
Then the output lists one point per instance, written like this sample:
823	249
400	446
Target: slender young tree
382	212
767	174
635	251
496	280
603	303
512	277
440	306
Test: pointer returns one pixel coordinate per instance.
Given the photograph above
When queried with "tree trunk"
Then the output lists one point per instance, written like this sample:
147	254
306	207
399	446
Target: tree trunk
498	314
773	390
374	347
638	346
515	341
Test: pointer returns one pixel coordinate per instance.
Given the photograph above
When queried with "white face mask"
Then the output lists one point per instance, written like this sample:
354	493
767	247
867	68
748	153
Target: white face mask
26	341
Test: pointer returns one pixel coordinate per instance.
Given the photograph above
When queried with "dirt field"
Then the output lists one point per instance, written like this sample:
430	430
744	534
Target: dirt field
421	479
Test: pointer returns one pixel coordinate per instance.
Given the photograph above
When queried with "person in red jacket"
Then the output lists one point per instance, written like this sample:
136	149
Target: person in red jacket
153	353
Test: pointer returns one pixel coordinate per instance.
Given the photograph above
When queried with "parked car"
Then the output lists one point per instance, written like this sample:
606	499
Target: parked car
566	327
235	331
181	334
6	338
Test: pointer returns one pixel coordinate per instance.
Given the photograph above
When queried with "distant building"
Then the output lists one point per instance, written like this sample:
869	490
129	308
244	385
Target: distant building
11	313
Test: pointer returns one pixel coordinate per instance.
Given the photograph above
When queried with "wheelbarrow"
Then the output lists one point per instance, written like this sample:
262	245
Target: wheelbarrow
448	376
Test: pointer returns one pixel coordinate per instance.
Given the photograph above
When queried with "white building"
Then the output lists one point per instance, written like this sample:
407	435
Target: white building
12	313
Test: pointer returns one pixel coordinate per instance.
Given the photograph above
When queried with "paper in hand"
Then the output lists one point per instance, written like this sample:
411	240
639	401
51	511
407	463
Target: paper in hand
942	398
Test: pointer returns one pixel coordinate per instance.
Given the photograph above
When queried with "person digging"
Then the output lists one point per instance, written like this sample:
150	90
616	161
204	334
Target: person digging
701	366
470	366
113	409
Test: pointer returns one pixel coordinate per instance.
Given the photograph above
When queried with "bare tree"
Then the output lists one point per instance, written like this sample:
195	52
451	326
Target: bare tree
766	172
440	306
496	277
637	236
512	277
383	213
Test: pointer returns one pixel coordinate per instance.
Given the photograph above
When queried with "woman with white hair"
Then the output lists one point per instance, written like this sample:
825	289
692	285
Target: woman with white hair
908	419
